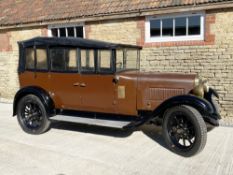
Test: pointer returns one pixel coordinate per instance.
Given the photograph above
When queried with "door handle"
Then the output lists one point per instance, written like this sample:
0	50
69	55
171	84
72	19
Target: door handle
76	84
82	85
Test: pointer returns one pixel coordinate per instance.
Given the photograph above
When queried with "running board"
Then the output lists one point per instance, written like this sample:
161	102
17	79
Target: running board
92	121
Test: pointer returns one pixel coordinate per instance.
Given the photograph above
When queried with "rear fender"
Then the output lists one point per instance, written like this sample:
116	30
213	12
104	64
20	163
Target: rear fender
40	93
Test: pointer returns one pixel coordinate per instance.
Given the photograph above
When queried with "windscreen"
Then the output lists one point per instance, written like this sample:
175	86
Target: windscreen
127	59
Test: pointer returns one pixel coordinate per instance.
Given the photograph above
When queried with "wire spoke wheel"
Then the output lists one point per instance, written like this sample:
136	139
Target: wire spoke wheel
184	130
32	115
181	131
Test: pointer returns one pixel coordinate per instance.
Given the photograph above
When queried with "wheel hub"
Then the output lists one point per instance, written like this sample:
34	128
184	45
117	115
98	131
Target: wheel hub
32	115
181	131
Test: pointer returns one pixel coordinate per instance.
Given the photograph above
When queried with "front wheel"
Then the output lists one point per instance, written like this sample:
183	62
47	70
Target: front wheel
32	116
184	130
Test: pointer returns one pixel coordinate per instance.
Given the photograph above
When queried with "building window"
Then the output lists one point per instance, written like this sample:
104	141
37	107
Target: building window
67	31
186	27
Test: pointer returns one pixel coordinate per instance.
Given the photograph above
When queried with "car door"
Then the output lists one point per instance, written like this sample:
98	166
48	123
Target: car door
64	78
96	81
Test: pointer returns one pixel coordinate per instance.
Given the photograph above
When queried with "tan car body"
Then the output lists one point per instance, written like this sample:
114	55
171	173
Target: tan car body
134	91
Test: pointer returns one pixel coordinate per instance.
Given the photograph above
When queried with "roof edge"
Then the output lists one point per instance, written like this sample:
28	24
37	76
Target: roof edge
77	42
123	15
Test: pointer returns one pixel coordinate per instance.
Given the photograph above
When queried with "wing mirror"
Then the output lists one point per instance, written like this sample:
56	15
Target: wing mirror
115	80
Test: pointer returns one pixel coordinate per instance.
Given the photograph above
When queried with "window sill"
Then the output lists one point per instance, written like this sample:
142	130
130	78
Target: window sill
174	39
178	43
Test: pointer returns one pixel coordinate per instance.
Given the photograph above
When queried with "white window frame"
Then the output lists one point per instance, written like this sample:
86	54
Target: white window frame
161	38
66	26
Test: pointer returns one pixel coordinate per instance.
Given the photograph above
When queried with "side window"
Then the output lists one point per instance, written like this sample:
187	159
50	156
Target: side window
63	60
71	60
119	60
41	58
57	57
105	60
87	60
132	57
30	58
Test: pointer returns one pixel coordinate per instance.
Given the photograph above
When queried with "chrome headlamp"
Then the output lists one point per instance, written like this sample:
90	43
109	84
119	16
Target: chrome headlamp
201	87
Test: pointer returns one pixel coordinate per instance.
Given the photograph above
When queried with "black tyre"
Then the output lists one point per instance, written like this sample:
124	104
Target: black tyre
184	130
32	116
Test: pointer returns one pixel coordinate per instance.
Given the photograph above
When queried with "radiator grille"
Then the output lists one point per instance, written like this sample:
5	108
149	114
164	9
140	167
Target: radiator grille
159	94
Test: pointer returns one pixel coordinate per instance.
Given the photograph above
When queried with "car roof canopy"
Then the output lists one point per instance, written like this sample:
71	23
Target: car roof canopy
74	42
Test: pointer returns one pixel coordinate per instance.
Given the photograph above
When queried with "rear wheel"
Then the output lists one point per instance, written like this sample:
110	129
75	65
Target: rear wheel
32	116
184	130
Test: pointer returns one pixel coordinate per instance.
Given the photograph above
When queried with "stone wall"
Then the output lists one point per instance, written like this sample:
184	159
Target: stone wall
9	59
123	31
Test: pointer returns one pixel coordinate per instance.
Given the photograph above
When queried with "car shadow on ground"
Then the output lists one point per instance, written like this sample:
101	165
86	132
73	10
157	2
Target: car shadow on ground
151	131
111	132
154	133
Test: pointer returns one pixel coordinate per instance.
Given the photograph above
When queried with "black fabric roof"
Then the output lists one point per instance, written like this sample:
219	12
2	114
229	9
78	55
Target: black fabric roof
74	42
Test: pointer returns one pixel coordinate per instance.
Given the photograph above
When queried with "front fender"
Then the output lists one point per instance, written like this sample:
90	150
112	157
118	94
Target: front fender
205	108
40	93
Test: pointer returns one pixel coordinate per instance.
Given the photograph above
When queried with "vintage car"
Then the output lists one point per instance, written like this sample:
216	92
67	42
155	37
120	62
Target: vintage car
99	83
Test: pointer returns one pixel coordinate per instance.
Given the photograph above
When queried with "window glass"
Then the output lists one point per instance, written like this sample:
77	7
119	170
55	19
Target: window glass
70	31
73	31
57	56
87	60
155	28
119	60
104	59
79	31
41	57
62	32
131	59
71	61
180	28
167	27
30	58
63	59
54	32
194	25
175	28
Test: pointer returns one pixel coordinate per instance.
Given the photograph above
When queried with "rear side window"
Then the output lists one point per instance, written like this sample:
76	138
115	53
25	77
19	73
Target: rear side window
63	59
30	59
36	60
41	58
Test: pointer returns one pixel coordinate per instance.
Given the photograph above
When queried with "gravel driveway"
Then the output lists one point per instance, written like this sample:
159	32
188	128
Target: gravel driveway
81	150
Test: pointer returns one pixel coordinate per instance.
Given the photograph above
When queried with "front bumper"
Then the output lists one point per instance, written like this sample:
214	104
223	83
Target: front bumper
214	116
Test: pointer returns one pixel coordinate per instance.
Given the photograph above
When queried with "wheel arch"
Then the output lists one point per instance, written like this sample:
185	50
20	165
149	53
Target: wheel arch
42	94
202	105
